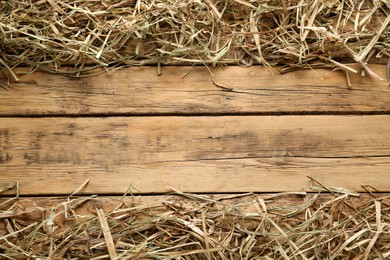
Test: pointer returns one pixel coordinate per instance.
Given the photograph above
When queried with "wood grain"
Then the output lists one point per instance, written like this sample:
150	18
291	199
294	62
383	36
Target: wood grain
194	154
190	90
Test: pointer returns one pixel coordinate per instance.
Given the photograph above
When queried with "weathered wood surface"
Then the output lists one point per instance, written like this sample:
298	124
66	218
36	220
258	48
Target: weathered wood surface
194	154
186	90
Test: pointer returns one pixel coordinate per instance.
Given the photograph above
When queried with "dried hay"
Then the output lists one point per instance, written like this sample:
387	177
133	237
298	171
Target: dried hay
188	226
65	36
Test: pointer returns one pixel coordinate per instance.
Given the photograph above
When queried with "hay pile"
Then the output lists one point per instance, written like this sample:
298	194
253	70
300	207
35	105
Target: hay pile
65	36
188	226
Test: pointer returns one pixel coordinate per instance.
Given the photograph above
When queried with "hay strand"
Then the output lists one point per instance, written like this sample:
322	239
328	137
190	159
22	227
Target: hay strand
107	234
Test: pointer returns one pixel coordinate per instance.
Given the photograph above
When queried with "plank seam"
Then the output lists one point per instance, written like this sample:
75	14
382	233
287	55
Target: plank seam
271	157
185	114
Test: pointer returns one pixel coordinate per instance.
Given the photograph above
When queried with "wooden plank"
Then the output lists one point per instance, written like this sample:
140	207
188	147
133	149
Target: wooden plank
190	90
194	154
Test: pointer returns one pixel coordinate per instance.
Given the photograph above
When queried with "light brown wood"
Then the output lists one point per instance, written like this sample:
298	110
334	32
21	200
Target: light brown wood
194	154
190	90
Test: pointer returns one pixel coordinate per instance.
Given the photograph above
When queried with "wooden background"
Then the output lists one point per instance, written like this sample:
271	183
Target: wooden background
136	129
